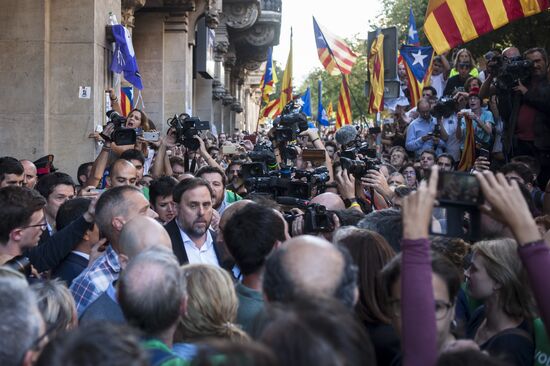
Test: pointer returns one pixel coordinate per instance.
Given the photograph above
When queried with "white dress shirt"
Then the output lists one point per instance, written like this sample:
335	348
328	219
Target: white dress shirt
205	255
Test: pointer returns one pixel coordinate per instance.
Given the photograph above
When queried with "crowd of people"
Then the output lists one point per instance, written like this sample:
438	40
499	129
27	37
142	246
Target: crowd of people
294	245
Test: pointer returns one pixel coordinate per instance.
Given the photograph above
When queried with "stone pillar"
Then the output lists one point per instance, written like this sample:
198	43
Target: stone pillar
148	39
203	99
51	48
176	66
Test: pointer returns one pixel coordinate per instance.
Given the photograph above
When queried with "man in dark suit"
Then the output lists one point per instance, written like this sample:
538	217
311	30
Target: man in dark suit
192	240
77	260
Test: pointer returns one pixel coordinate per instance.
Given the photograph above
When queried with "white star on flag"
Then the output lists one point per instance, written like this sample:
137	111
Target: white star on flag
419	58
412	32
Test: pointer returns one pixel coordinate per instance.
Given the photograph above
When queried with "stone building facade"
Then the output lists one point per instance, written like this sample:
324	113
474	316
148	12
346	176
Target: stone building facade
53	51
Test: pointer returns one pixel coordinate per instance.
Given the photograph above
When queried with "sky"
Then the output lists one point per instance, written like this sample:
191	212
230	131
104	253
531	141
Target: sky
343	18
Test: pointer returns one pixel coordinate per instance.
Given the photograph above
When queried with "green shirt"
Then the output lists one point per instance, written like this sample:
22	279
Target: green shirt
161	355
251	302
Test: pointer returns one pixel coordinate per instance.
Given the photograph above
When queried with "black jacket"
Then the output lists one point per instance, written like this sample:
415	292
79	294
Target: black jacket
179	249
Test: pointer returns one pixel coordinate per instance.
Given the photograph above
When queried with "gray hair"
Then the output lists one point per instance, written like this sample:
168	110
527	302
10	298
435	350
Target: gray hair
56	304
151	289
20	320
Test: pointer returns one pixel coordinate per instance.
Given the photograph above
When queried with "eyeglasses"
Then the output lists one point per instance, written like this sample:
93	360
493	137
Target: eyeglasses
464	66
409	172
441	308
42	226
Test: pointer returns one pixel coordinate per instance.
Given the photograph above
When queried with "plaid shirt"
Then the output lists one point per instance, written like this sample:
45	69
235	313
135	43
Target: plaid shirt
94	280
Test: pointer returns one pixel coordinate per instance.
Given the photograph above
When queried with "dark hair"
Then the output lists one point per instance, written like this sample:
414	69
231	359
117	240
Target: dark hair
333	144
540	50
521	169
85	346
188	184
264	201
250	235
386	223
110	204
370	252
71	210
9	165
454	249
349	216
531	162
17	205
448	156
82	168
133	154
211	169
429	151
47	183
430	88
441	266
213	147
161	187
177	160
314	331
279	286
468	357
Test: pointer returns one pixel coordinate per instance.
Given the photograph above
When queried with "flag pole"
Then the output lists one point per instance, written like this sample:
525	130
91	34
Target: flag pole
339	68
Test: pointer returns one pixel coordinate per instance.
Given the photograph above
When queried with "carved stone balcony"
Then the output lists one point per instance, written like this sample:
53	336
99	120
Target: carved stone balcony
254	26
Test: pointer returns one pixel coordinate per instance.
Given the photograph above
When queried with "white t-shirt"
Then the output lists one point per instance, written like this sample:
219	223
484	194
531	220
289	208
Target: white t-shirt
439	83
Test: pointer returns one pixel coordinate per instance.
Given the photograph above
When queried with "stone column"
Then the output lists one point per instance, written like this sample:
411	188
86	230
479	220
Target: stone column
51	49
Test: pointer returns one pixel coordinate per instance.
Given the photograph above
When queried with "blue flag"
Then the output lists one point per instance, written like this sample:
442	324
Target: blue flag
412	34
306	107
418	59
124	57
322	117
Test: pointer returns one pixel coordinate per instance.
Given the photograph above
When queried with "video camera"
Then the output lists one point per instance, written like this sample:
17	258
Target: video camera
121	135
359	168
317	219
444	108
509	71
187	130
290	123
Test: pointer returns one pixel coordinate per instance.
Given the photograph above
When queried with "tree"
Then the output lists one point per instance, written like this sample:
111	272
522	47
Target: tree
331	84
524	33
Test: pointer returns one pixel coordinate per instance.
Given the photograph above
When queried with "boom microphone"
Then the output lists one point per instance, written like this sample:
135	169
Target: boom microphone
345	134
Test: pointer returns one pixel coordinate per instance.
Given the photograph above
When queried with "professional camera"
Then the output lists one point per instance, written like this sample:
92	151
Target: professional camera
444	108
317	219
509	71
358	148
290	123
359	168
318	176
21	264
262	153
187	130
121	135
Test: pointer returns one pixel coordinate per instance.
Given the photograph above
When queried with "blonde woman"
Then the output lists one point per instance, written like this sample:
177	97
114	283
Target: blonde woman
56	304
502	326
211	309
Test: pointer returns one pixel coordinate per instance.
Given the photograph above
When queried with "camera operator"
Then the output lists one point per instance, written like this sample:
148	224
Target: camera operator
420	134
523	104
482	122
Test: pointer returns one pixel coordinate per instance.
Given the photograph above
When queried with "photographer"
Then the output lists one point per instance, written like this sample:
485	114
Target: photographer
420	134
482	121
523	103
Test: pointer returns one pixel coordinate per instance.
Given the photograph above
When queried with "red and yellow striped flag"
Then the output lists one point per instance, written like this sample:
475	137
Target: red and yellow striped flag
286	84
468	157
271	109
343	114
450	23
330	111
376	71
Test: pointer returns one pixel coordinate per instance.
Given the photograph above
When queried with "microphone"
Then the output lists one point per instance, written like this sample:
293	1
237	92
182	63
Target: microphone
345	134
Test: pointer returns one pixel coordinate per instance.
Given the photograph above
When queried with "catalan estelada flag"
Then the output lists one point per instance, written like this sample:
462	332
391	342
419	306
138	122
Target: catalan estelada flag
343	114
271	109
126	100
376	75
330	111
269	78
418	61
334	53
468	157
450	23
286	84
